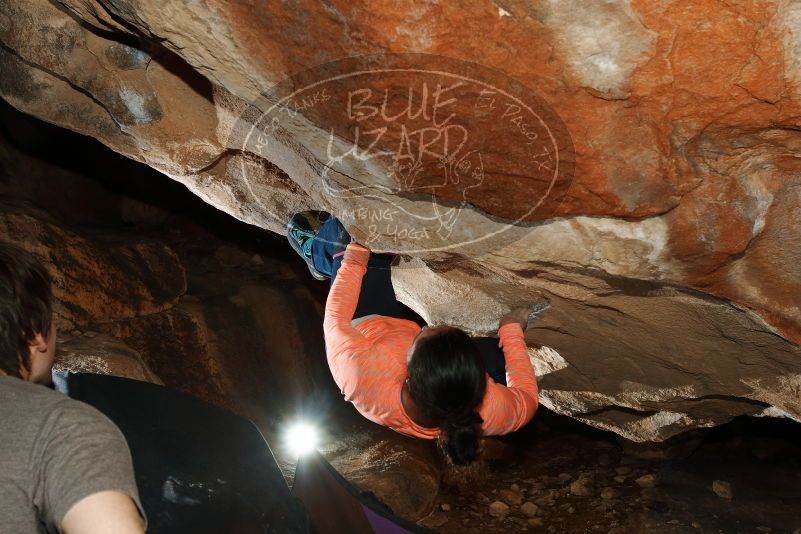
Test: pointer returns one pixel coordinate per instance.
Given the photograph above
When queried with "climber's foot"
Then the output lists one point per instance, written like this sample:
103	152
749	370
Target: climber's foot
300	234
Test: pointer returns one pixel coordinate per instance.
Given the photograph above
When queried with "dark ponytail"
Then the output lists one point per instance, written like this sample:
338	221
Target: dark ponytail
447	380
460	440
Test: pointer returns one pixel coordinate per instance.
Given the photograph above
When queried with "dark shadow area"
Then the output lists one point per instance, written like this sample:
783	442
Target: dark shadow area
199	469
124	177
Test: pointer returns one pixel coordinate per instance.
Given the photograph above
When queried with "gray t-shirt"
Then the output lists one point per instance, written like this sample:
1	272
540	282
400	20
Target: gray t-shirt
54	451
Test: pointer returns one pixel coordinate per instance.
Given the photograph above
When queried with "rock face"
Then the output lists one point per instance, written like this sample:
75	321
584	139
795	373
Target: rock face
633	162
90	352
96	281
405	476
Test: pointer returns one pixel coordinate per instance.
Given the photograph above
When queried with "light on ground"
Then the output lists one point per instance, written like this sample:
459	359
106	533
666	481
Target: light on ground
301	438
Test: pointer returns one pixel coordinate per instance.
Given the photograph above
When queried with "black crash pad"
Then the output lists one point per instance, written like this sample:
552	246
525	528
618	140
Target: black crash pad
200	469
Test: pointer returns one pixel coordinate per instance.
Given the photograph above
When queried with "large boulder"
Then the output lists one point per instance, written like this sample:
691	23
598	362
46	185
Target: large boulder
634	163
398	471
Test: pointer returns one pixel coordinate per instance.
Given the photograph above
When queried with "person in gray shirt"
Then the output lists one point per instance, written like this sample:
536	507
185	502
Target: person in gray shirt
64	467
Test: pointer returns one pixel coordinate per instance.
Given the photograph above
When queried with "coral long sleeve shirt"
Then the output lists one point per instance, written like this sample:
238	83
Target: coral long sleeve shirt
368	361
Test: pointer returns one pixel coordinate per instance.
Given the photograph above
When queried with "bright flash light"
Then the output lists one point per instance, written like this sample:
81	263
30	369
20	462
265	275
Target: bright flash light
301	438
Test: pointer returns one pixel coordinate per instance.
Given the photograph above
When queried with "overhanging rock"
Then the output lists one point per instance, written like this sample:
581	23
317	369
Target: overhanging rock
636	165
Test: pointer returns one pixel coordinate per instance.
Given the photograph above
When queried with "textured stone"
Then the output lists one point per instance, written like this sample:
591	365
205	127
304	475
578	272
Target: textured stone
722	489
609	493
510	497
94	281
582	488
434	520
530	509
101	354
398	476
498	509
666	259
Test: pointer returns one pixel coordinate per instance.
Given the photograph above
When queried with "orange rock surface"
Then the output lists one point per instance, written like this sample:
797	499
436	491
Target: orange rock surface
677	131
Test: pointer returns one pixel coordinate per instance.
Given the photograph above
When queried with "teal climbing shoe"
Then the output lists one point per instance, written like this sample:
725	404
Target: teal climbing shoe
300	234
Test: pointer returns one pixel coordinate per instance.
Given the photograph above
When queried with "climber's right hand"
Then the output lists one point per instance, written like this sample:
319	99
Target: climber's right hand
517	315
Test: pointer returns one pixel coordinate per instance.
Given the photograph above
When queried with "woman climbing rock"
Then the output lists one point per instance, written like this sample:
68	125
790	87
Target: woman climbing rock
429	382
